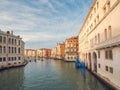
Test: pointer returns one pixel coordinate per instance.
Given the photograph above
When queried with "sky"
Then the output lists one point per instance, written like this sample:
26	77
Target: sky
43	23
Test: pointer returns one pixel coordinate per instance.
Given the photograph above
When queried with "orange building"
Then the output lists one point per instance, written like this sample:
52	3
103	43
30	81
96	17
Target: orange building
71	48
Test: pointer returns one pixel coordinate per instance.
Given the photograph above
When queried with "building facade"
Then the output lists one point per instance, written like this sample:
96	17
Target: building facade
71	48
60	50
30	54
99	40
11	50
53	53
44	53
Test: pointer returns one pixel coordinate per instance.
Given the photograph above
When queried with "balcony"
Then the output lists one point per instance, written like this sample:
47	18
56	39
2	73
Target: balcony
112	42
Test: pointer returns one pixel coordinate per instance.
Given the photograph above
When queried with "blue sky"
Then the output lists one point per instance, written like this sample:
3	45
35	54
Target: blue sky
43	23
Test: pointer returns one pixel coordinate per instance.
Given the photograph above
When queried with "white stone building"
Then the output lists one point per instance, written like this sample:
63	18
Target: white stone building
99	40
11	50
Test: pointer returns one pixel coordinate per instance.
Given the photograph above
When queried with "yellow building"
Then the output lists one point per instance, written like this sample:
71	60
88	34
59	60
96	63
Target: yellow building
99	40
60	50
63	50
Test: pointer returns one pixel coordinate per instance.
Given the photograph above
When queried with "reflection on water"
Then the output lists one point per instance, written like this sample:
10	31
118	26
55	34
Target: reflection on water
12	79
48	75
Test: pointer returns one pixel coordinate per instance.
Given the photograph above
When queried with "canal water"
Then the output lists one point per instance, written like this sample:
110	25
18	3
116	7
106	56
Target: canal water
48	75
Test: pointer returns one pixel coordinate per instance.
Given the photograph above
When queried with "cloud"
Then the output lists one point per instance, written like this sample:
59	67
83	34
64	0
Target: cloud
43	22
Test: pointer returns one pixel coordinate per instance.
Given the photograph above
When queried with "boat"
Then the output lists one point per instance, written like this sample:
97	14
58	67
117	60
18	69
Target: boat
79	64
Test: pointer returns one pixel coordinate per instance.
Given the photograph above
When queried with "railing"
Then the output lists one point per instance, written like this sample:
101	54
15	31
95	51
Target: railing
108	43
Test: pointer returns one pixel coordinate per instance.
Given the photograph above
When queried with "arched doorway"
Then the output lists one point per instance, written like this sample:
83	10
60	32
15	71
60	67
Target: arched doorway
95	61
90	64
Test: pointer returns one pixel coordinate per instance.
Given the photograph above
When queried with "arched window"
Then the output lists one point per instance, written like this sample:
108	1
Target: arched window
97	4
4	48
4	39
12	41
0	49
9	49
110	31
15	41
108	5
105	31
98	37
12	49
0	39
15	49
9	40
18	50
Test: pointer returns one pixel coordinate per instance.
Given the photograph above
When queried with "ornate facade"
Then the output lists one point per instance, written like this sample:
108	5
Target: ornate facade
11	50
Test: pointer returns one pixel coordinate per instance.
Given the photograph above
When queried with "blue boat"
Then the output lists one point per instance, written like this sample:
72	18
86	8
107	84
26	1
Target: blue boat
79	64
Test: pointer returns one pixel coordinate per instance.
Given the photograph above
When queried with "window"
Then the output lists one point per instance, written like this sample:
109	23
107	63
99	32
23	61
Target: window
9	63
105	31
68	57
110	32
104	9
97	18
12	49
12	41
98	54
0	39
9	49
15	49
9	40
4	49
0	59
95	39
111	70
99	65
19	58
106	68
95	21
18	50
97	4
108	5
98	37
4	58
108	54
0	49
4	39
95	10
15	41
9	59
15	58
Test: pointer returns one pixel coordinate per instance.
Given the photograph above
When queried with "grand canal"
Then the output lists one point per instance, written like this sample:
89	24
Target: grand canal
48	75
